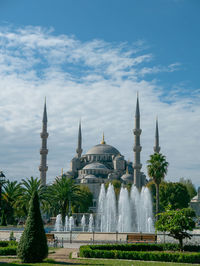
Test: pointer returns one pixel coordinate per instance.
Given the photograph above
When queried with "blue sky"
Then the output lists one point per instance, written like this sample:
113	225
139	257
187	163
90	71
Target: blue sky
90	58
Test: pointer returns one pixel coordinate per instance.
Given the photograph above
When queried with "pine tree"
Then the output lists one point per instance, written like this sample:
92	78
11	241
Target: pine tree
33	243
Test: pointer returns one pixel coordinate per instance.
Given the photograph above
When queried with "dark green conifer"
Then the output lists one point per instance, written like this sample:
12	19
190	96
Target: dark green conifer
33	243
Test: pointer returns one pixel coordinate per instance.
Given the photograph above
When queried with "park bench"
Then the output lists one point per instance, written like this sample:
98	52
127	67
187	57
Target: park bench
52	240
141	238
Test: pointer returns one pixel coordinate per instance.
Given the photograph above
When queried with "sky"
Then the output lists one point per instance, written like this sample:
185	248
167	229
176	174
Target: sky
89	58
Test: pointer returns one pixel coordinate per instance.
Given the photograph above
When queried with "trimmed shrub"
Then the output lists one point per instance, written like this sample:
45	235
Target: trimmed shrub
146	247
95	252
10	250
4	243
8	243
33	243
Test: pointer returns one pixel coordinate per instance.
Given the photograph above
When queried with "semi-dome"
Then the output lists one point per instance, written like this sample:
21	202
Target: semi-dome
95	166
90	177
127	177
103	149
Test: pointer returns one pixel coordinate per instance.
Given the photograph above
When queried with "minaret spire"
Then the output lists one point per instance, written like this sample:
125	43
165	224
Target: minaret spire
44	151
157	147
103	139
137	147
79	147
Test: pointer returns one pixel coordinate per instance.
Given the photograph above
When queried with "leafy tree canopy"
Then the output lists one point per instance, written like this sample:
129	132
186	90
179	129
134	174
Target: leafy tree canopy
116	184
174	194
190	186
177	223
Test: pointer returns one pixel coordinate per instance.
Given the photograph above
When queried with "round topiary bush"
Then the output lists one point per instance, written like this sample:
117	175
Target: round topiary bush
33	243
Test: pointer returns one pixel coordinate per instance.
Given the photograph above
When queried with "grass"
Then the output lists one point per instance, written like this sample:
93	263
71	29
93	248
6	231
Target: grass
99	262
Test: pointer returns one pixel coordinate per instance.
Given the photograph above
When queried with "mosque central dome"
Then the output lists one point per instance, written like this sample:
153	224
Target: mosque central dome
103	149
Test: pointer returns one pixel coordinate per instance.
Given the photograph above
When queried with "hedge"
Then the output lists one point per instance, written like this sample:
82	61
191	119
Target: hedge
145	247
11	250
91	252
8	243
4	243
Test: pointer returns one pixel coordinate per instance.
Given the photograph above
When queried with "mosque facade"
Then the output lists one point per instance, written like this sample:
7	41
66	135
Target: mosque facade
102	163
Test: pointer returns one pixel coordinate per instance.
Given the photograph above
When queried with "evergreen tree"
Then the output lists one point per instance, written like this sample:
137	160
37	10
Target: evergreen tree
33	243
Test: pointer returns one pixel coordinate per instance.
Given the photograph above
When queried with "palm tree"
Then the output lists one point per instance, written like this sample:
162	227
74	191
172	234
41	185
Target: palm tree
157	169
11	193
28	187
2	182
62	194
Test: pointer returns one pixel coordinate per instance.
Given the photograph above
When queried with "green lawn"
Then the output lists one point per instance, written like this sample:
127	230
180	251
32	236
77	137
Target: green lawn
101	262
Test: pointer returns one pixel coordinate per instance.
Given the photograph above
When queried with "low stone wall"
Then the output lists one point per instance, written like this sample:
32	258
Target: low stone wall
5	234
97	237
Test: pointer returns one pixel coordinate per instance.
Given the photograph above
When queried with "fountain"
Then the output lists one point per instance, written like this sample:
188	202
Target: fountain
58	224
83	224
71	223
66	223
91	224
124	212
132	213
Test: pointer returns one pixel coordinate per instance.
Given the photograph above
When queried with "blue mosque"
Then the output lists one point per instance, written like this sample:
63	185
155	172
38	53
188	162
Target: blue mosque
102	162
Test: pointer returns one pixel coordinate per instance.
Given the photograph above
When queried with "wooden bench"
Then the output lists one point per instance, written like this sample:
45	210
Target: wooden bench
51	239
141	238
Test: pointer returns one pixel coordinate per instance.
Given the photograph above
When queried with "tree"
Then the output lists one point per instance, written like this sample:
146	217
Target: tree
11	193
62	194
117	186
28	187
33	243
177	223
190	187
3	219
2	182
157	169
86	200
173	194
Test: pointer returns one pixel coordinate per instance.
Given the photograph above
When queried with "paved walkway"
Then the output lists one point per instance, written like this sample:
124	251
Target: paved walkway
62	254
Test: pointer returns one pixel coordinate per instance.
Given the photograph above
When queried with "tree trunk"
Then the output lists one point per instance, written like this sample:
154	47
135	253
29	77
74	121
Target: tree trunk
181	243
0	198
63	214
157	200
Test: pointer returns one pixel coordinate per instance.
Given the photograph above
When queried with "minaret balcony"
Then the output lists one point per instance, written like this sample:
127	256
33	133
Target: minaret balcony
43	168
137	131
43	151
156	149
137	148
44	135
137	166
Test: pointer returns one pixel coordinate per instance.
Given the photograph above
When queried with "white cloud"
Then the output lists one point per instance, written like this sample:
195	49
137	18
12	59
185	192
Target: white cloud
96	81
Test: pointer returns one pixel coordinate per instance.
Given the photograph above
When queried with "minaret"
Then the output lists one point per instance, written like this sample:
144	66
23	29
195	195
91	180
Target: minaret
103	139
79	147
156	147
137	148
44	151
